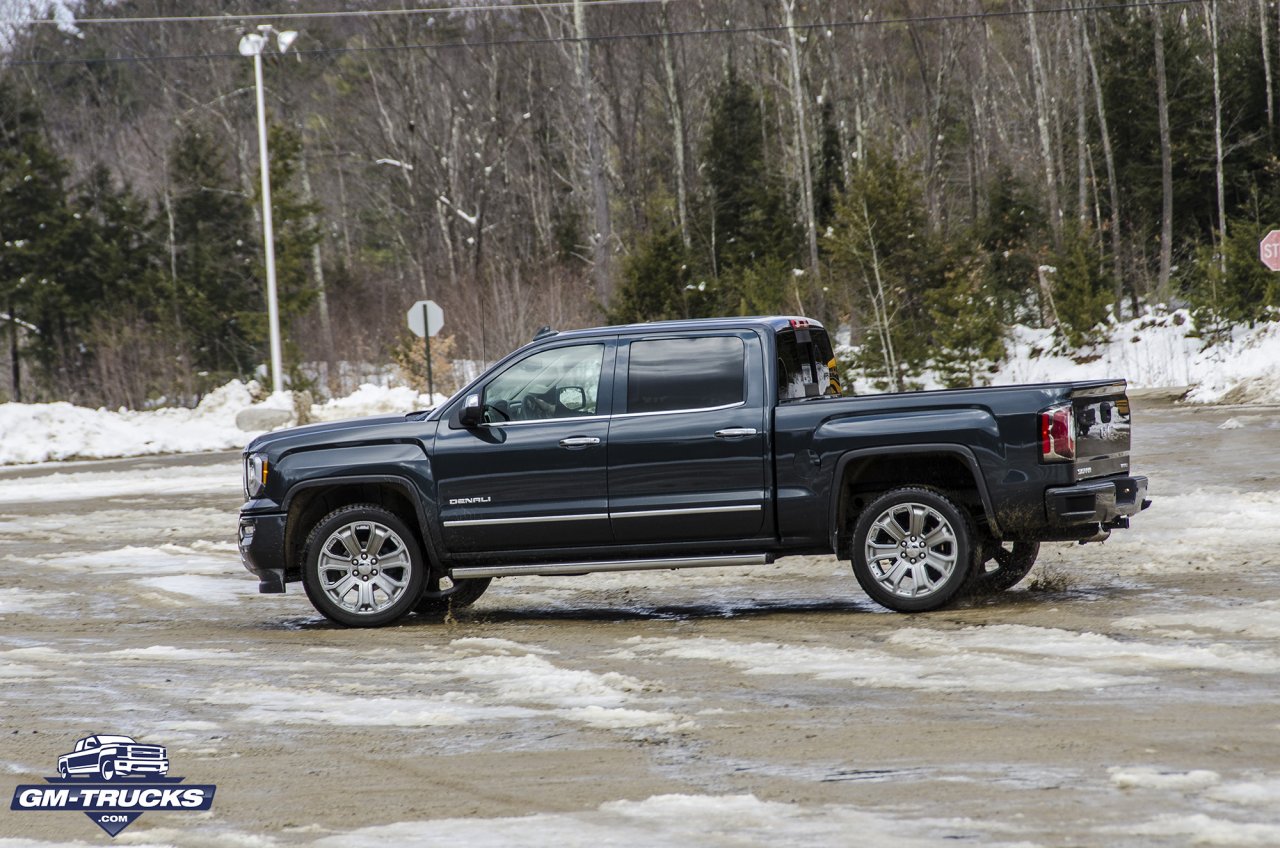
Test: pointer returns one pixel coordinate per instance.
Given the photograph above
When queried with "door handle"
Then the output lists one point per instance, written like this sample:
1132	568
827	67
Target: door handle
735	433
579	442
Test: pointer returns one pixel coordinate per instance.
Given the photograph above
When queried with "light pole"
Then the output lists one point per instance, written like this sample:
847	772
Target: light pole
252	45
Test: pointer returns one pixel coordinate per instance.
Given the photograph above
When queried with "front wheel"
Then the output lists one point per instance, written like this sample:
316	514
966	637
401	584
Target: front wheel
444	595
362	566
913	549
107	768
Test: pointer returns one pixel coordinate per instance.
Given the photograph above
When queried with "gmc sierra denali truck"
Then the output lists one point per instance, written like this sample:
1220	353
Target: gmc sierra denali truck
717	442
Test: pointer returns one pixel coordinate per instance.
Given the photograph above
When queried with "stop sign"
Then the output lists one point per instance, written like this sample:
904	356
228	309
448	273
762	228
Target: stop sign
1269	250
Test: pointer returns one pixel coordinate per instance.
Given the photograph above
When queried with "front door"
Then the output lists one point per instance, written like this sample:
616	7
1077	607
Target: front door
534	475
687	443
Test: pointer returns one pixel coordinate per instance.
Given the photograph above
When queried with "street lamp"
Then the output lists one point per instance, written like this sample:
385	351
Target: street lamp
253	45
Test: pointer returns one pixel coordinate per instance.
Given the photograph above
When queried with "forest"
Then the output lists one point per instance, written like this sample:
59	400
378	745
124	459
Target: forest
920	174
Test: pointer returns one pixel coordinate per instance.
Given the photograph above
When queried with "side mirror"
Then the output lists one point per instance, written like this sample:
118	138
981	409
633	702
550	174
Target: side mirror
573	398
472	413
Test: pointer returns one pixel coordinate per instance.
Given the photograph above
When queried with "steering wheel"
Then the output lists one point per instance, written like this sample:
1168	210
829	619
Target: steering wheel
499	407
533	408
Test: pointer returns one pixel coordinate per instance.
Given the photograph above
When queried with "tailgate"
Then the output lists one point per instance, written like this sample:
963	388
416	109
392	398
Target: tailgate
1102	429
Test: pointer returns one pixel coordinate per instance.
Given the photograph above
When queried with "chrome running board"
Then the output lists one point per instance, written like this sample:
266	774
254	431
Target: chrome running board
546	569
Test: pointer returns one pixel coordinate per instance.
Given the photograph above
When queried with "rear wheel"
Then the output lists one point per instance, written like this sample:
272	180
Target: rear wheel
444	595
362	566
913	549
1006	564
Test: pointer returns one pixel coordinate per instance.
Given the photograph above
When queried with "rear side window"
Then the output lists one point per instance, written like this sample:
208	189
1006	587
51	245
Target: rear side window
806	365
694	373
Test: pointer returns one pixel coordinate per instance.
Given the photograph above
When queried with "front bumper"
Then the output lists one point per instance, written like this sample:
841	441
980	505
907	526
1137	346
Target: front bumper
1106	502
261	541
160	767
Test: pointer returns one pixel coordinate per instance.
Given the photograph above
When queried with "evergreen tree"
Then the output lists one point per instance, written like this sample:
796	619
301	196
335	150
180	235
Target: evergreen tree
34	220
1234	287
654	280
219	294
828	183
1012	232
745	217
294	234
880	244
967	336
1081	289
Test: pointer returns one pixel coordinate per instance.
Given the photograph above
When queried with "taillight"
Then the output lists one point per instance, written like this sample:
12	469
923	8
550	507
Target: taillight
1057	434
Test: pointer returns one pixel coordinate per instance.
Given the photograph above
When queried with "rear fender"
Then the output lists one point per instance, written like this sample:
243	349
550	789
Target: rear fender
958	452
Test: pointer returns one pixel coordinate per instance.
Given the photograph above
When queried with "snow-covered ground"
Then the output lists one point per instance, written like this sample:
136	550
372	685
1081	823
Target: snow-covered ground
1130	706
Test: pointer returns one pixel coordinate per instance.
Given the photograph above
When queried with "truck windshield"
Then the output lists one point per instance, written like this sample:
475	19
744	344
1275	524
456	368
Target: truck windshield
806	365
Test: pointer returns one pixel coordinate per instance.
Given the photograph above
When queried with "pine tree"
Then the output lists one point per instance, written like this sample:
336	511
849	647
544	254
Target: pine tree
294	234
881	245
967	337
744	215
33	228
220	299
654	280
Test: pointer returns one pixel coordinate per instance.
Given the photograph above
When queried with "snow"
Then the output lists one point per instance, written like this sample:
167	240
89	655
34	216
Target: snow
44	432
706	820
995	658
1158	349
1147	777
1201	829
470	680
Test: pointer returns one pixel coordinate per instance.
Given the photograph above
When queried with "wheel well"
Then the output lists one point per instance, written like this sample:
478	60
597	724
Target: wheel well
310	505
866	478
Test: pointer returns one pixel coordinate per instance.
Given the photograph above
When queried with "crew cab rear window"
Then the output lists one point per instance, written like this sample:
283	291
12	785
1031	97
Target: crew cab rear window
690	373
806	365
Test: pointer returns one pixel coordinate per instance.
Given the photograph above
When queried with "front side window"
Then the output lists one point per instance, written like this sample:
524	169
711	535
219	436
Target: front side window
563	382
693	373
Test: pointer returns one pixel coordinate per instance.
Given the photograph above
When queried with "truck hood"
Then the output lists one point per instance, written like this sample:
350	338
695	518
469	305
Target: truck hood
355	430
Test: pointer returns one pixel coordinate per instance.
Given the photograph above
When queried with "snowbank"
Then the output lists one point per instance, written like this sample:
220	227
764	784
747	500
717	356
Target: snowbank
44	432
1156	350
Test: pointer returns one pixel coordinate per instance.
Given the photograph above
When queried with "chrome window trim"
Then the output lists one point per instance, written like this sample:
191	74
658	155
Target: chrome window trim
599	417
681	411
698	510
526	519
593	417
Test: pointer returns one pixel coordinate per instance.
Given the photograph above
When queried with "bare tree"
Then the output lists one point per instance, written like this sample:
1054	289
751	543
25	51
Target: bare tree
1043	115
1166	160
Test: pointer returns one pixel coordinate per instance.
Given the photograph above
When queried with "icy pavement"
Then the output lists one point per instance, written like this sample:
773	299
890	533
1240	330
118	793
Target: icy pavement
1124	696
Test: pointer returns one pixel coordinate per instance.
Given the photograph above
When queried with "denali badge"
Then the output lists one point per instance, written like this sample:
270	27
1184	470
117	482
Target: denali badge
482	499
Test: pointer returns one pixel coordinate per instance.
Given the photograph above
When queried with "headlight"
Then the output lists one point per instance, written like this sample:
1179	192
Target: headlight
255	474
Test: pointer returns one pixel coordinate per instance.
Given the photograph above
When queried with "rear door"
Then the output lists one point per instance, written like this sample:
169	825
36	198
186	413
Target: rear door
687	443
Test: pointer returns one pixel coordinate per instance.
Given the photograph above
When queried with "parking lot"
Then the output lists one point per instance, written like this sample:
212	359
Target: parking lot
1123	695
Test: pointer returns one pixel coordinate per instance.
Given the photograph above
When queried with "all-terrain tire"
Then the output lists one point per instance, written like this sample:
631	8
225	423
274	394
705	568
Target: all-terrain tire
362	566
437	602
1004	565
913	549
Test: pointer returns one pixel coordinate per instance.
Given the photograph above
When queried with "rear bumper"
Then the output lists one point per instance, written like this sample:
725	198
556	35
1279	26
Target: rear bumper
261	542
1096	502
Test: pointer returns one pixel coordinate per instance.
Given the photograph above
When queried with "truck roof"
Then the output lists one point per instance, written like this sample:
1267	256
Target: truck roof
773	322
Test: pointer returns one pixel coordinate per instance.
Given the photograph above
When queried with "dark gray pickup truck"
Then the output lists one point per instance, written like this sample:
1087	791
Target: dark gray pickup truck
681	444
